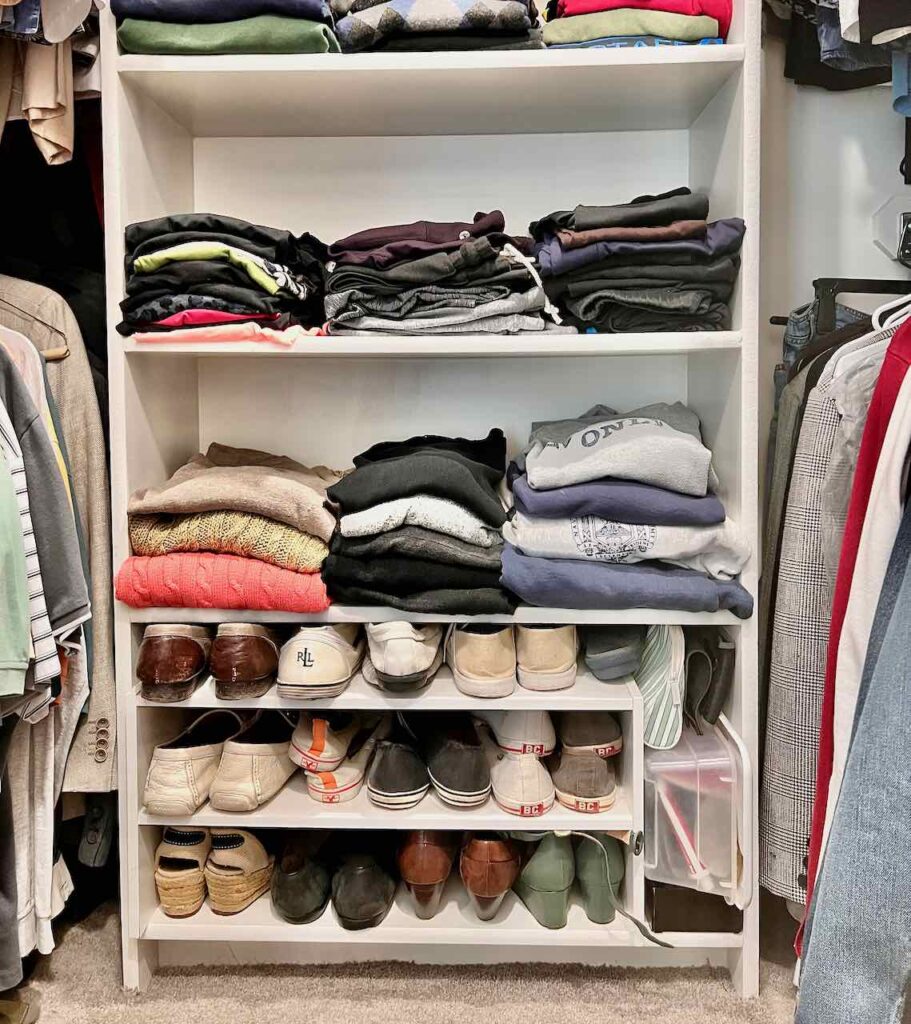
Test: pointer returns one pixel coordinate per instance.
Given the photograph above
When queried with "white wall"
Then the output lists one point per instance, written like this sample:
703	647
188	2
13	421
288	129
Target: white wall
829	160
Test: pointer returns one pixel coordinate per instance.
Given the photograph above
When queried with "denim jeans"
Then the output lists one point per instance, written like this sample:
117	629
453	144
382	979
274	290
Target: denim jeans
857	950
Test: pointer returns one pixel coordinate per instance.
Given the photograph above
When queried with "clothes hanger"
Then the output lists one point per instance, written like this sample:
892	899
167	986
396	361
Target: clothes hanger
829	288
898	309
51	355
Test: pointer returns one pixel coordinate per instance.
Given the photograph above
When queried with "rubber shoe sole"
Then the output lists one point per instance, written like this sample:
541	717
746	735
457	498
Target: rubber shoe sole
397	801
587	805
544	681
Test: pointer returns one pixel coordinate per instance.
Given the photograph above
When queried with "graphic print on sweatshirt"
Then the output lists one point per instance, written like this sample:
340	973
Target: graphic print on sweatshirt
612	542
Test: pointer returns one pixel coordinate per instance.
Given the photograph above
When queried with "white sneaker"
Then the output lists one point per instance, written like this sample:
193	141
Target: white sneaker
402	656
522	732
181	771
521	785
345	782
319	661
483	659
546	656
322	738
254	765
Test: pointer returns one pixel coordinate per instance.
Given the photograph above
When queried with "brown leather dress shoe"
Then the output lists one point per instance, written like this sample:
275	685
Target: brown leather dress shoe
425	862
244	660
172	661
488	865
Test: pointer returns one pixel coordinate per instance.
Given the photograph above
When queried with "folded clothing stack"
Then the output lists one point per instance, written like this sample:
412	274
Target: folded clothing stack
653	264
224	26
420	527
618	511
420	25
195	272
234	528
466	277
620	23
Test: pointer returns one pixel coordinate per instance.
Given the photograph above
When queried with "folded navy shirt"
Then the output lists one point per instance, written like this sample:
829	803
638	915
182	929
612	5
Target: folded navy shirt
722	238
622	501
569	583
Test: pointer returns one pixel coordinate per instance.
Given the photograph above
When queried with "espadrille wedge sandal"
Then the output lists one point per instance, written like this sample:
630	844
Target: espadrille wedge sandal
238	870
180	862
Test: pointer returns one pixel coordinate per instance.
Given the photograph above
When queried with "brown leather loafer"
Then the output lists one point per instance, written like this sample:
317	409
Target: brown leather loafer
172	661
244	660
425	863
488	865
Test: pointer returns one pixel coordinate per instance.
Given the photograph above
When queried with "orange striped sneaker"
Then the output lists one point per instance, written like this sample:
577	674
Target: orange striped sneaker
321	739
344	783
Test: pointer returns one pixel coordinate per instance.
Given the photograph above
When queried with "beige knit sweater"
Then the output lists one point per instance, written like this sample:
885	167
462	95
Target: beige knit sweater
230	533
245	480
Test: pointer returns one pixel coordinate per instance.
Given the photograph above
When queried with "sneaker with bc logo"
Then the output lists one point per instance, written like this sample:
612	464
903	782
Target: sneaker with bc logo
521	784
584	782
589	732
521	732
319	661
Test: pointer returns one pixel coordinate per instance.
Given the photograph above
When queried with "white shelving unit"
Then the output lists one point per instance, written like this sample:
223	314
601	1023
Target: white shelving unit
335	143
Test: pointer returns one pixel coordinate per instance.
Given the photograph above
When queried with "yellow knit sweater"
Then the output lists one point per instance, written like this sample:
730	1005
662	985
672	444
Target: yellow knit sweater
228	532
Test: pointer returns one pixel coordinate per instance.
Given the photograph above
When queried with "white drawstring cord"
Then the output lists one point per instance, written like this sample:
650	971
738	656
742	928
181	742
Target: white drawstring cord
513	253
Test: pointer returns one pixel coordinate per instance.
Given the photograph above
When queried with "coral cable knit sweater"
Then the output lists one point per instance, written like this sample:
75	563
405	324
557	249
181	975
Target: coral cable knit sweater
217	581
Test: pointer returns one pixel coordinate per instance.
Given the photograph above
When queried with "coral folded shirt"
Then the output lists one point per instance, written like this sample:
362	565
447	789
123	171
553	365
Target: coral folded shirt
718	9
217	581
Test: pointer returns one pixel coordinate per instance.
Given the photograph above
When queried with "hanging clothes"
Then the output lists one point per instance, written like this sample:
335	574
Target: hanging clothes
48	322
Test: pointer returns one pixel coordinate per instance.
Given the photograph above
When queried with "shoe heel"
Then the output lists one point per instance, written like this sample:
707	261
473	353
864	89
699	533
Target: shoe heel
426	899
547	908
226	689
169	693
486	907
599	908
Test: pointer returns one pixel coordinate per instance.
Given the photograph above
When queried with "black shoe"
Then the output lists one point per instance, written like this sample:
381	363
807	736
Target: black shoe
362	892
452	751
398	777
302	879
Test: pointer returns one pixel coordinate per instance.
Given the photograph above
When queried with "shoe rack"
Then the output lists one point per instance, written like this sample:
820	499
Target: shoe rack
332	144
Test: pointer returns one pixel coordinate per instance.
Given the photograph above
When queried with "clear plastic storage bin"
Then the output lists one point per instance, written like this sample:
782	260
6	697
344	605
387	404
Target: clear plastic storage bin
693	814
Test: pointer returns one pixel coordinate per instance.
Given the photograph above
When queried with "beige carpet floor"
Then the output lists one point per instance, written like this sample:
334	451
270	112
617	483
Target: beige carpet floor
80	984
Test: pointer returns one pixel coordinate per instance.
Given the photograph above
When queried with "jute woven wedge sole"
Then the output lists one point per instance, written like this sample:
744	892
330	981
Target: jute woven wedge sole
231	890
181	891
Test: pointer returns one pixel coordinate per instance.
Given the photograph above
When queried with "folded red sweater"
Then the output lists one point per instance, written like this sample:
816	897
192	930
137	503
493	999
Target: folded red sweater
718	9
194	580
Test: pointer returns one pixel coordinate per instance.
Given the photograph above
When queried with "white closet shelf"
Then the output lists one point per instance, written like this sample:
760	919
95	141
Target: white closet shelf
293	807
525	613
587	693
450	346
371	94
455	922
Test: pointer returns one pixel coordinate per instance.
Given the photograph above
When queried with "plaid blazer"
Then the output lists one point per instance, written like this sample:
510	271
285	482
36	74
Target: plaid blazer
800	633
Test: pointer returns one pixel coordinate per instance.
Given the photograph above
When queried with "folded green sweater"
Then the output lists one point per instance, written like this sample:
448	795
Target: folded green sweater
266	33
628	21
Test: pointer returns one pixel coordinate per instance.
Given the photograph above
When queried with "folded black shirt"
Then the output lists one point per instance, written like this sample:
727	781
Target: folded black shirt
476	601
405	575
490	450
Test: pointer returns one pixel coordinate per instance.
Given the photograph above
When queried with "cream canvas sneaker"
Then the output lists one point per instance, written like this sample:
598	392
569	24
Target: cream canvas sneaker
402	656
520	783
521	732
345	782
319	661
483	659
546	656
181	771
322	738
254	765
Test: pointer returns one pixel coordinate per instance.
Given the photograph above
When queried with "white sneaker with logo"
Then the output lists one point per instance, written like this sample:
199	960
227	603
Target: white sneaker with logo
319	661
521	732
402	657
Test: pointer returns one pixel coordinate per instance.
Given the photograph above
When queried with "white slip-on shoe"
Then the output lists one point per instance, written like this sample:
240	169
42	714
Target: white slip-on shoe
322	738
546	656
521	732
254	765
521	784
319	661
180	861
238	870
181	771
482	658
344	783
401	656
